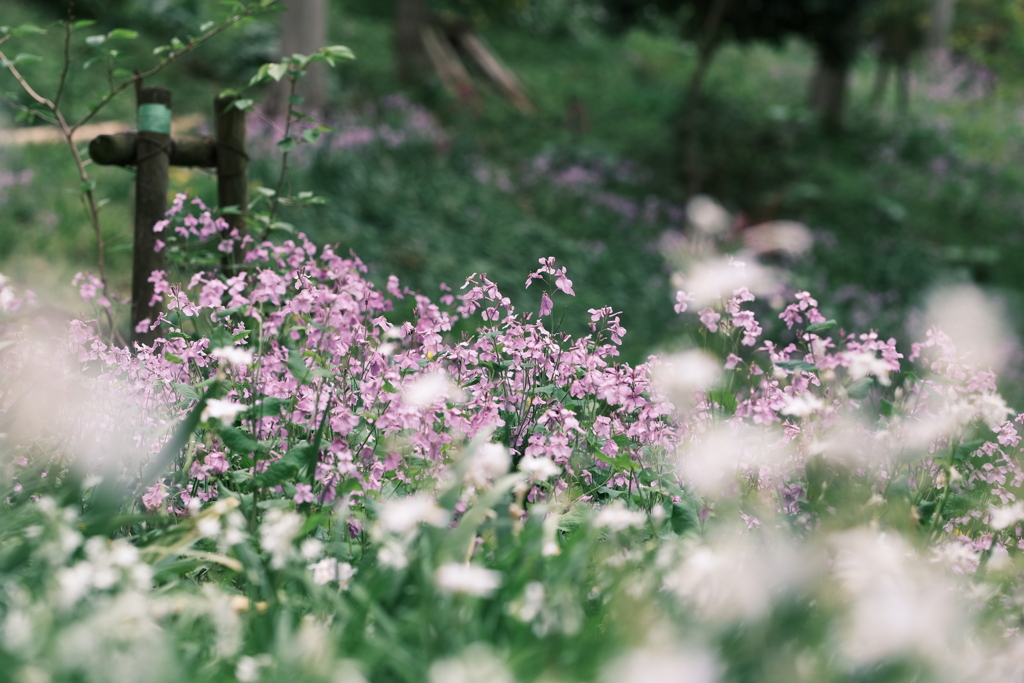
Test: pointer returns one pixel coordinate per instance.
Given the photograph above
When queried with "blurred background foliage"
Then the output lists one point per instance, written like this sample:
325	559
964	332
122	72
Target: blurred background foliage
791	120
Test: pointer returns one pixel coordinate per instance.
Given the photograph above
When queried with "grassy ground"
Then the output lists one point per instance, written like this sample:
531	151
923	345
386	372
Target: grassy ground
897	204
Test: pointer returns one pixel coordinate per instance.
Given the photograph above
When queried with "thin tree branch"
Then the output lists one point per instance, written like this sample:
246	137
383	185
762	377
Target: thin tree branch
171	56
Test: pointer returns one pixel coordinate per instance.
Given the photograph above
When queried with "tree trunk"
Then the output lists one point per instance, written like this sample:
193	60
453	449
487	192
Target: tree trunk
881	82
691	112
940	27
410	54
827	94
903	91
303	31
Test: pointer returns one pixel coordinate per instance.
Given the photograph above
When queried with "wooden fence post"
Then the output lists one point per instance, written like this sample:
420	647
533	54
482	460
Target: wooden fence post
232	167
151	186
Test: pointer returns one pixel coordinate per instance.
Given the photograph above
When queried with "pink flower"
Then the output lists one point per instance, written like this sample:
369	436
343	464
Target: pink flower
682	301
303	494
710	319
546	305
564	284
155	495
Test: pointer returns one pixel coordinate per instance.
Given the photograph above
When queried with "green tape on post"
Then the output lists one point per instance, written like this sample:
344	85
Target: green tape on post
154	118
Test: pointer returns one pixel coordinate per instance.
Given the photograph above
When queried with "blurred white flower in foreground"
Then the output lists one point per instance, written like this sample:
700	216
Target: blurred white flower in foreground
1006	516
235	355
476	664
402	515
677	666
712	281
488	461
277	533
429	388
707	216
540	468
329	569
787	237
898	605
468	579
711	461
221	409
617	517
682	376
974	322
733	580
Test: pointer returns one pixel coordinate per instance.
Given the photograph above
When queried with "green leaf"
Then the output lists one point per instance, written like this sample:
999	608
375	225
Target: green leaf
333	52
25	30
966	449
724	398
297	366
818	327
205	26
277	71
887	408
177	44
24	58
284	469
288	144
237	441
122	34
95	41
170	357
858	391
268	407
161	49
260	75
266	191
684	517
242	104
186	391
82	23
794	365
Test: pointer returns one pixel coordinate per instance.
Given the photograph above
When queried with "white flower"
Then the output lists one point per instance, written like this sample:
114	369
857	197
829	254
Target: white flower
220	409
617	517
788	237
233	530
540	468
992	410
235	355
530	605
345	574
324	571
803	405
466	578
489	461
392	554
428	388
707	215
208	527
311	549
476	664
405	514
74	582
276	534
867	363
1004	517
676	666
248	668
680	376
